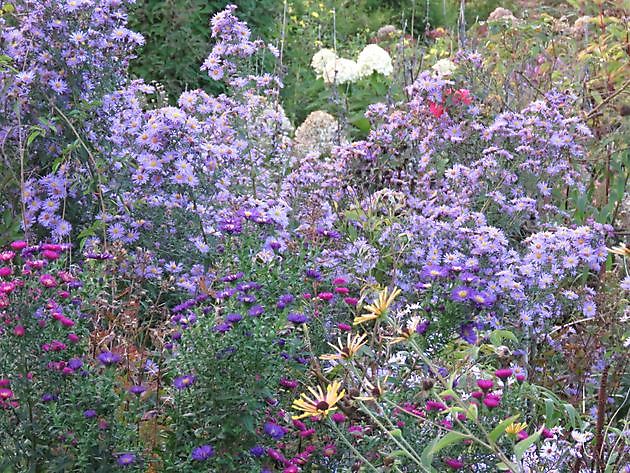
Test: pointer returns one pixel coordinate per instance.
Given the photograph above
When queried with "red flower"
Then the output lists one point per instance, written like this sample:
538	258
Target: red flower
462	96
435	109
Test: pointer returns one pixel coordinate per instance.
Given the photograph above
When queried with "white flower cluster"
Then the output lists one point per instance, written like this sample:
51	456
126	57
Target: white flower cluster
444	67
373	58
335	69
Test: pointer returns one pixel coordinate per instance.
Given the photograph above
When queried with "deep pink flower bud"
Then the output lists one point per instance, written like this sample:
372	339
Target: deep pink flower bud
50	255
329	450
338	417
51	247
19	330
453	463
342	290
485	384
288	383
522	435
307	433
344	327
5	271
325	296
7	255
546	433
520	377
5	393
73	337
291	469
491	401
477	394
47	280
503	373
4	382
18	245
298	424
351	300
339	281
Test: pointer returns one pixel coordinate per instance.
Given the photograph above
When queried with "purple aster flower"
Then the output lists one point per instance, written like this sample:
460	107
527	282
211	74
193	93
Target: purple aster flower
257	451
461	293
75	363
422	327
313	274
202	453
483	298
182	382
223	327
468	333
48	397
274	430
256	311
108	358
434	271
297	318
126	459
137	389
232	277
284	300
233	318
89	413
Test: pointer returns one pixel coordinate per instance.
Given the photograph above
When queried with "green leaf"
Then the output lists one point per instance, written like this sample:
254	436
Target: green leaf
523	445
502	466
573	415
362	124
448	439
549	412
497	337
499	429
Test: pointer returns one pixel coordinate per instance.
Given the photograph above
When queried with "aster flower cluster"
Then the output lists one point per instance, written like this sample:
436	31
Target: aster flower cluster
63	55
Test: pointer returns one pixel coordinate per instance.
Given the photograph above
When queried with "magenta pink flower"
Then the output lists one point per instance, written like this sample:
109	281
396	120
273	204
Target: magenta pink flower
18	245
491	401
325	296
5	393
485	384
329	450
47	280
503	373
338	417
453	463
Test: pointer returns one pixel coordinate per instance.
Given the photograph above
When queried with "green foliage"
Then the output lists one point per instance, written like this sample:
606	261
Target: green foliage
177	37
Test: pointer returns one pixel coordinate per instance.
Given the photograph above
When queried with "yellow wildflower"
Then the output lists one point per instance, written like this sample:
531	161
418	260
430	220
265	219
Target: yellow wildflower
379	307
319	404
353	345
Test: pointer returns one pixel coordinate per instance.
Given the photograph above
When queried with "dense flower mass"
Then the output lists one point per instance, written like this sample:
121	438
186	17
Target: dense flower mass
421	277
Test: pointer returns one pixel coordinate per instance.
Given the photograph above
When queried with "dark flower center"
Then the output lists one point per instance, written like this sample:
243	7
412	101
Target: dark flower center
322	406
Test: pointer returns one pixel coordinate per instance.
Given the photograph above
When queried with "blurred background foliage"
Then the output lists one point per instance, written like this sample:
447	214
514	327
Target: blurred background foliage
178	36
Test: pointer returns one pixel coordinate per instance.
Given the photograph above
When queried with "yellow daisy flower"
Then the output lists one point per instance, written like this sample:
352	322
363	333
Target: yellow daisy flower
353	345
379	307
515	427
319	404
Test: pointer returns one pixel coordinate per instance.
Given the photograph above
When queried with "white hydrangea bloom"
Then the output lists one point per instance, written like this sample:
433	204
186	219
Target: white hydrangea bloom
373	58
341	71
444	67
322	59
